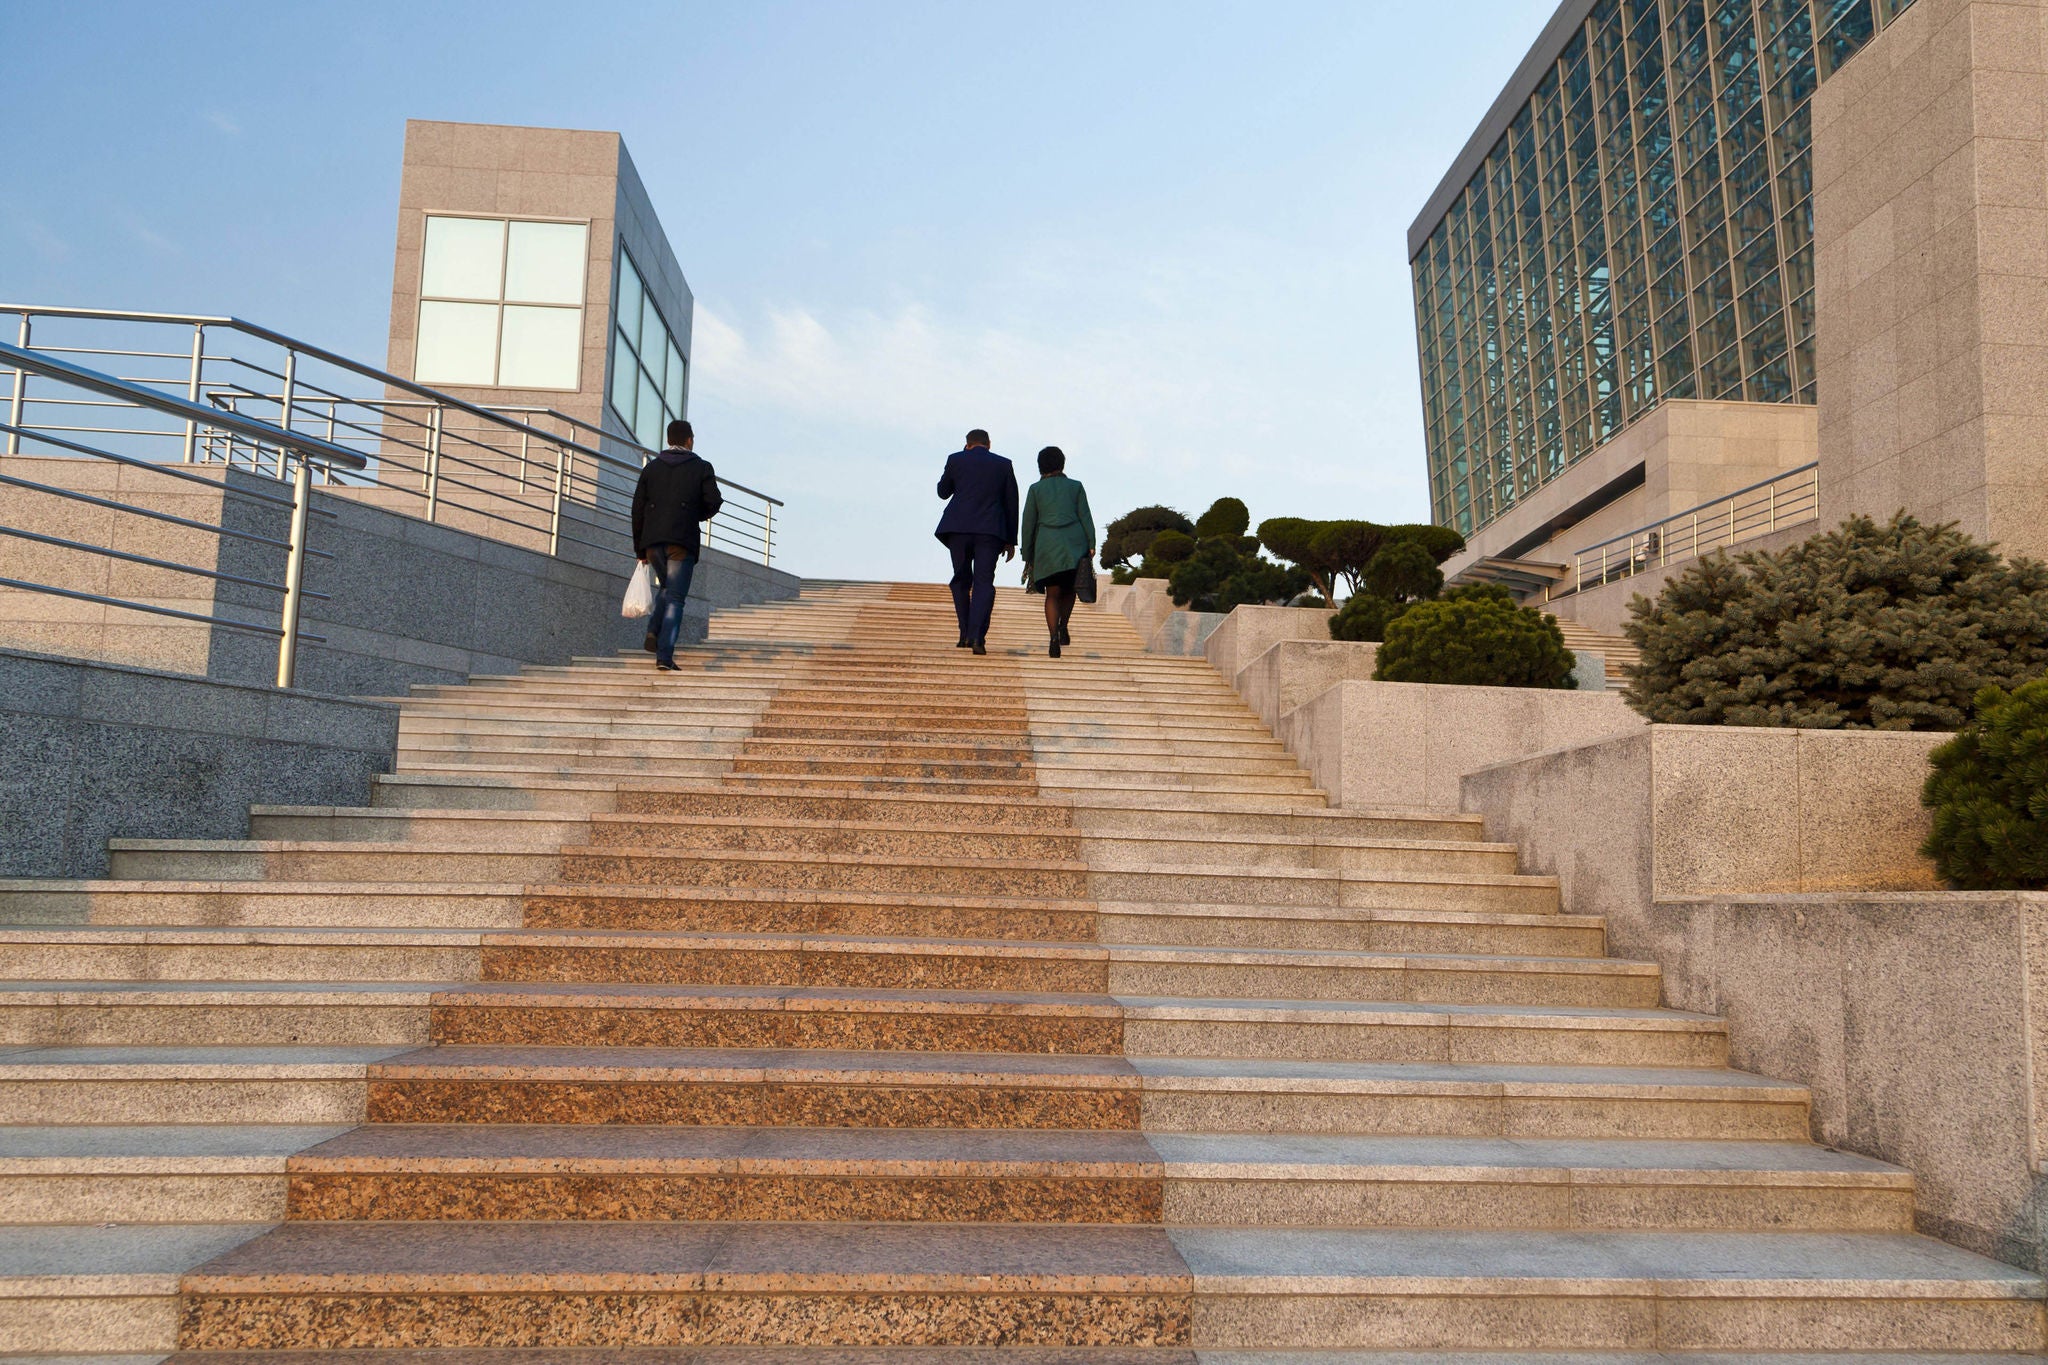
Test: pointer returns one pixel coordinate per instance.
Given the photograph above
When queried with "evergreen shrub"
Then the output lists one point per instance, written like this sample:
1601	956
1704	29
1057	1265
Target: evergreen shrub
1364	616
1989	795
1125	540
1892	627
1167	549
1403	571
1227	518
1228	572
1478	638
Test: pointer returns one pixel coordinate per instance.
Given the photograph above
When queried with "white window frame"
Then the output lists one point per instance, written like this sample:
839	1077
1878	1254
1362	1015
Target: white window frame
501	303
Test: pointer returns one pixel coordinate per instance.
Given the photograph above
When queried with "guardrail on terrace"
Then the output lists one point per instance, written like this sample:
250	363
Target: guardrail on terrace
1782	500
529	476
177	419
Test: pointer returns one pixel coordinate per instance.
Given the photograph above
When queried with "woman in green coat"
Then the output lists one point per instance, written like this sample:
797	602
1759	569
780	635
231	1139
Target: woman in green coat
1058	540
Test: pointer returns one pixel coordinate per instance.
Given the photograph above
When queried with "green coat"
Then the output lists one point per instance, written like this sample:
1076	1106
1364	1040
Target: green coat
1058	532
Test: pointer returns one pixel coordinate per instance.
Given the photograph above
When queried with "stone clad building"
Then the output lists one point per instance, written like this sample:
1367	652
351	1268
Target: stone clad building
1710	269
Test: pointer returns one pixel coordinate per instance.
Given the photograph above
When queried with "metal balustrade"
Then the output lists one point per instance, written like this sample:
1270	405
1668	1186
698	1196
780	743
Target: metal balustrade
107	388
530	476
1786	499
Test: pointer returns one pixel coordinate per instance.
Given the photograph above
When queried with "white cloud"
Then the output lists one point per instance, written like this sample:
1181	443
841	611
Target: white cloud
47	245
223	124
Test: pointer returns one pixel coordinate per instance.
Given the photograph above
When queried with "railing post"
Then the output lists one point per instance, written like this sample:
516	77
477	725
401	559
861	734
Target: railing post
1695	535
768	534
433	461
1774	507
555	515
295	573
14	406
192	387
284	404
1731	521
522	461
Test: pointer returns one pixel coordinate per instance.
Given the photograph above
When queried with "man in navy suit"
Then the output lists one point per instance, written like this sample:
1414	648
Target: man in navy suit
980	522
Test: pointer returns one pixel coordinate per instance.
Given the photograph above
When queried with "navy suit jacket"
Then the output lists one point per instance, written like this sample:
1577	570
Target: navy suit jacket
982	488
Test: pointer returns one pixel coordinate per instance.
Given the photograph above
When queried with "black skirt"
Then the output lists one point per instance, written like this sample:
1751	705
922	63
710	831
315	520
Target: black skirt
1063	579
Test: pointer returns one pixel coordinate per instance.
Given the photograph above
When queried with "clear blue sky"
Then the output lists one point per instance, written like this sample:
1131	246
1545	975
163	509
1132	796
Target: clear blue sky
1168	237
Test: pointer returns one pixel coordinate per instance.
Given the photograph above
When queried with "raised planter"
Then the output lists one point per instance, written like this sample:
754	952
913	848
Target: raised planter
1250	631
1407	745
1292	673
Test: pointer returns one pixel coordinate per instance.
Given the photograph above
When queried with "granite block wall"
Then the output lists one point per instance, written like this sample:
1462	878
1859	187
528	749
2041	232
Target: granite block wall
91	751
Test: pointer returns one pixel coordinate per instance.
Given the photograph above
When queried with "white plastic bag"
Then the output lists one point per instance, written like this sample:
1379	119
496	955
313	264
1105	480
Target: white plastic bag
639	594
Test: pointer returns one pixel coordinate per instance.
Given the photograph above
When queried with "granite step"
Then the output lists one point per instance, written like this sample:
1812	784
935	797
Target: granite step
187	1085
69	1292
599	1284
841	1089
261	1013
1363	929
139	1174
921	963
267	904
618	1284
469	1172
198	953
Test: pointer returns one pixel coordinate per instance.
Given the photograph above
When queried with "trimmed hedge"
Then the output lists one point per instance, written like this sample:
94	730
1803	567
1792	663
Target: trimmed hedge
1989	795
1892	627
1477	638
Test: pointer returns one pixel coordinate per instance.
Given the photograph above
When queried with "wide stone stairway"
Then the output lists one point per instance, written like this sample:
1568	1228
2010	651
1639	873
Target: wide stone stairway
845	990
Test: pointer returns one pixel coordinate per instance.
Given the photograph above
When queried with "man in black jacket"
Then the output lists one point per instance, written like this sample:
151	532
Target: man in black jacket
677	490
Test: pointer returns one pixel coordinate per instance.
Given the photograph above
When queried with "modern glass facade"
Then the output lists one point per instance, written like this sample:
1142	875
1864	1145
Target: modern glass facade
650	374
1642	230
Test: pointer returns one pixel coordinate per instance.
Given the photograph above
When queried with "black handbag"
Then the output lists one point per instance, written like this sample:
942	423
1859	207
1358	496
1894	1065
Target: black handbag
1084	582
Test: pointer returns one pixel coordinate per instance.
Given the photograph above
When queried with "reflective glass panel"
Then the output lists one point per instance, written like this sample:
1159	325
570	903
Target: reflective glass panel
625	378
457	344
653	338
463	258
544	263
627	305
541	348
672	387
649	423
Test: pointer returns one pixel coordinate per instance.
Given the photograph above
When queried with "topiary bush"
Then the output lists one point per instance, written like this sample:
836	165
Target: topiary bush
1226	519
1227	572
1480	639
1125	540
1167	549
1403	572
1892	627
1364	616
1989	795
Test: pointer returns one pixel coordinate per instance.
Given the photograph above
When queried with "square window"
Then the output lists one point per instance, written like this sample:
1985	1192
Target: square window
457	343
464	258
544	263
541	348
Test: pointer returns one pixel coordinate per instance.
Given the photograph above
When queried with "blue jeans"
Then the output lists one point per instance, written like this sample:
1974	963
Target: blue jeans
671	586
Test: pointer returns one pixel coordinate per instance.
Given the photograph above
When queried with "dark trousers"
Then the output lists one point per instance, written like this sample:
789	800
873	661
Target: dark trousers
672	574
974	581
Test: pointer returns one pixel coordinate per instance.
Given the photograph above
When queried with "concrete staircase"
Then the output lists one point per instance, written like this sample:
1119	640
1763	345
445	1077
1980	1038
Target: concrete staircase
844	990
1615	649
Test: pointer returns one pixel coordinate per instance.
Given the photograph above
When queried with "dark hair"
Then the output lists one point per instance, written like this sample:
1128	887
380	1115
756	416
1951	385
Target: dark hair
1051	460
977	437
678	432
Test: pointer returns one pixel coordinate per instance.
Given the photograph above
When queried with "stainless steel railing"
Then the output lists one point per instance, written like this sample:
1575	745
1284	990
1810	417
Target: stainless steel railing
171	418
530	476
1786	499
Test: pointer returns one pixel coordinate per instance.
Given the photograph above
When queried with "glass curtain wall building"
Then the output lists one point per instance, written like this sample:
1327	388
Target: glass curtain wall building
1642	229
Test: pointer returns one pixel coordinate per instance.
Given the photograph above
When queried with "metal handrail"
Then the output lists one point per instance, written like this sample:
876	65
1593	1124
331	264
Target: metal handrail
307	449
432	396
1790	498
